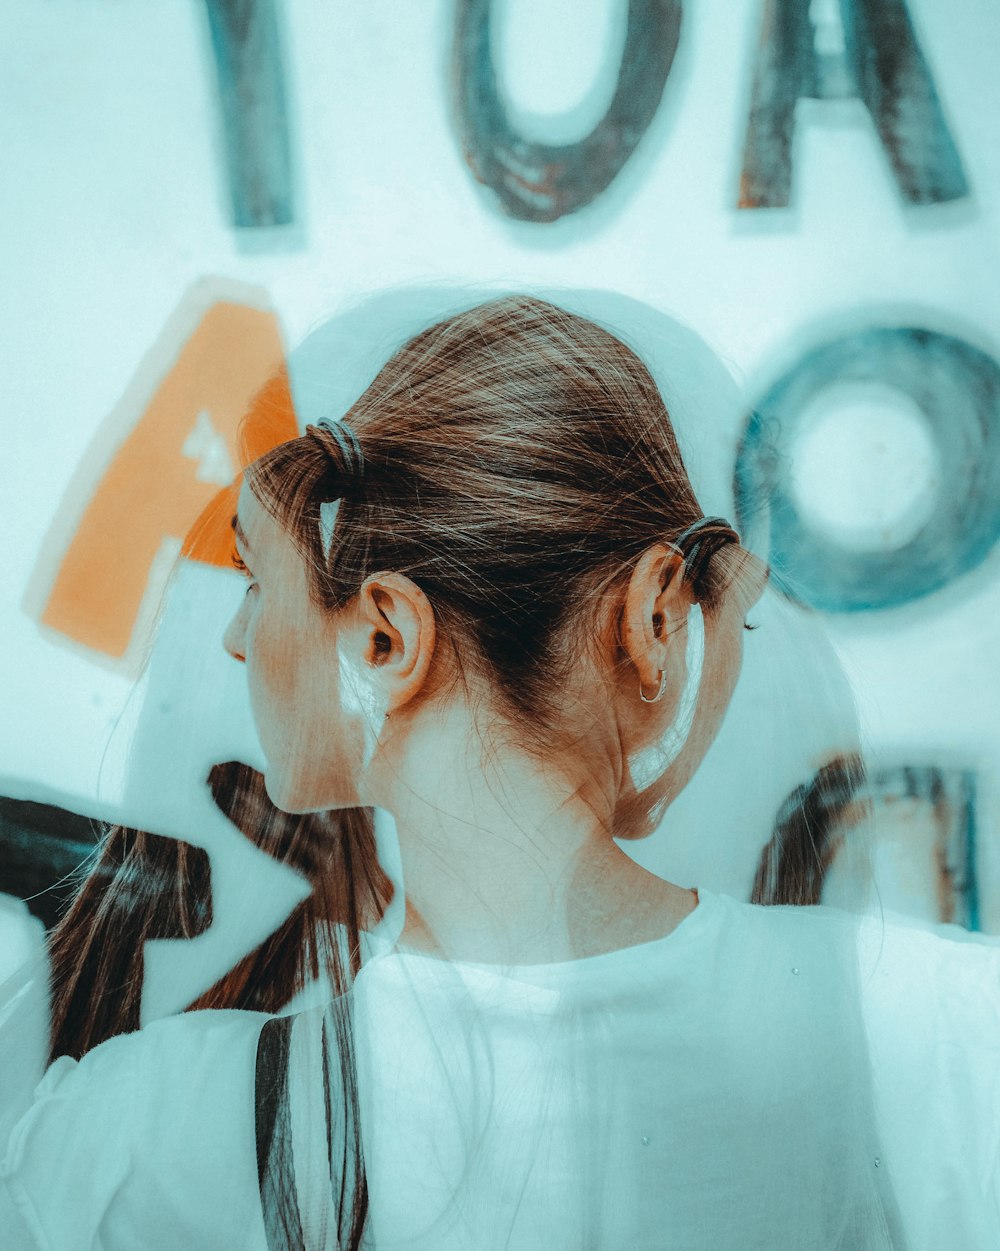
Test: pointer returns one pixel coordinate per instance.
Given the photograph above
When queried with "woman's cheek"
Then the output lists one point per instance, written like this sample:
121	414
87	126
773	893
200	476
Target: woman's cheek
266	678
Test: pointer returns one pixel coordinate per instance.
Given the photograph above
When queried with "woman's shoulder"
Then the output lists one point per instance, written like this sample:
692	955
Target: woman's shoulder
191	1038
937	978
174	1099
753	928
940	982
149	1063
882	935
937	975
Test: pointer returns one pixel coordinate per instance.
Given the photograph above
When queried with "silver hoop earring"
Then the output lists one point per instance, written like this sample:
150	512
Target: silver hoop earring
659	693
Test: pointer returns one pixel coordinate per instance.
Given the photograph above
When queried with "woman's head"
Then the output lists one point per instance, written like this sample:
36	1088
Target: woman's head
511	540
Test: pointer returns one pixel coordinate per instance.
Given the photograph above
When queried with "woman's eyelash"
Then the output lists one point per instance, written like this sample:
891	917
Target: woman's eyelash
748	626
238	564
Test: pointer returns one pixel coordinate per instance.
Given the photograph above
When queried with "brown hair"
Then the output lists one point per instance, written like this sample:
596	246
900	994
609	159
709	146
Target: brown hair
518	459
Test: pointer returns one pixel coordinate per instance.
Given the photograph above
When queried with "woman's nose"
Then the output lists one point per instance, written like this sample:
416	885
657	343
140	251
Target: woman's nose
234	638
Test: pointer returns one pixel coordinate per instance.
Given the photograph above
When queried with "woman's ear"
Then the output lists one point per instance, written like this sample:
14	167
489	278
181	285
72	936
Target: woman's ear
656	604
401	634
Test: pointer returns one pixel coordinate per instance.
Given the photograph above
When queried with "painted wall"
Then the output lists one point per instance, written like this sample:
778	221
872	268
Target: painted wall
119	239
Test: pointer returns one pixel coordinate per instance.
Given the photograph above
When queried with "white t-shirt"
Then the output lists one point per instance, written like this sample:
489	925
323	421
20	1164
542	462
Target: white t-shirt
781	1078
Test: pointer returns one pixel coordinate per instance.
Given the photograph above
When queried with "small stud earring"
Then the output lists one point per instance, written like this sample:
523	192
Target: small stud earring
659	693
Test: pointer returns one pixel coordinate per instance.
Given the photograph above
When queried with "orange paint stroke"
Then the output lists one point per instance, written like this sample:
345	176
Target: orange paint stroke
163	481
269	421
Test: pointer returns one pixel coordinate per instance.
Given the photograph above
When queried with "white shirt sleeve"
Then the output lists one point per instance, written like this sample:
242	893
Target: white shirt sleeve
932	1011
148	1141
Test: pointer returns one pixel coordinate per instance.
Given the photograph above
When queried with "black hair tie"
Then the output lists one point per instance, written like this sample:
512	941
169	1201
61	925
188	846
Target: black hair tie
699	541
343	448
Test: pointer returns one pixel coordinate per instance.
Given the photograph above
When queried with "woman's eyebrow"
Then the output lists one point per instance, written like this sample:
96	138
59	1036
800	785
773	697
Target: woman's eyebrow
240	533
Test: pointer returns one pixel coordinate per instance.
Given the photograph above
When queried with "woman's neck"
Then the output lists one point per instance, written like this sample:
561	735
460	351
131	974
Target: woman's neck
507	862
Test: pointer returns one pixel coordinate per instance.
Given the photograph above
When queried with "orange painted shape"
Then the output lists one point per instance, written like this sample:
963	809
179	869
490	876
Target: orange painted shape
151	489
269	421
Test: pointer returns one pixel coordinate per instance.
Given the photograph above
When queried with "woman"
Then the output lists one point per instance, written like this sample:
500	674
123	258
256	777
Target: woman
488	602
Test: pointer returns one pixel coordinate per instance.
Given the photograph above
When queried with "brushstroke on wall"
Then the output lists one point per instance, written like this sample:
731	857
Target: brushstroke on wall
808	833
924	842
251	86
914	830
541	182
175	450
43	848
956	387
866	50
842	49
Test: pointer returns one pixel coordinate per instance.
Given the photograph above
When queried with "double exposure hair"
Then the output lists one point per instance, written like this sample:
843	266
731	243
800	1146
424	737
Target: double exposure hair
518	459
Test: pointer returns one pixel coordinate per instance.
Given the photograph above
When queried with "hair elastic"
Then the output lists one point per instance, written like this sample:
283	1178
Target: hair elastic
709	534
694	564
348	460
